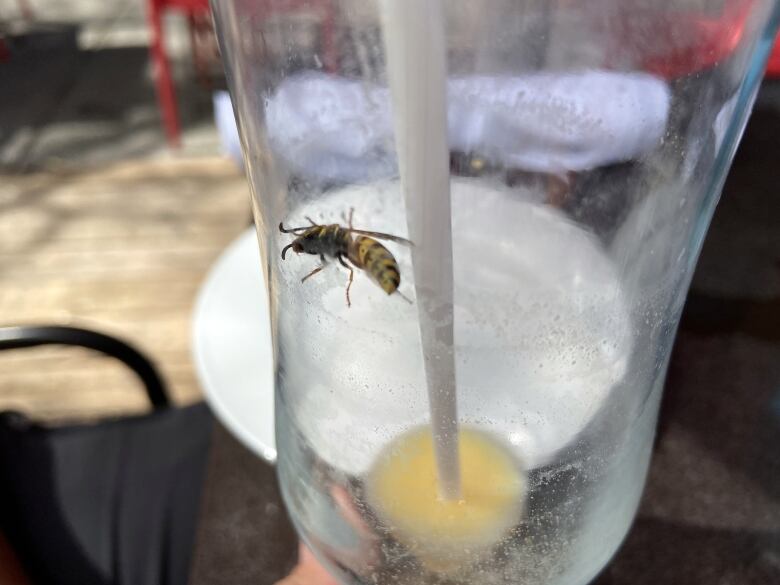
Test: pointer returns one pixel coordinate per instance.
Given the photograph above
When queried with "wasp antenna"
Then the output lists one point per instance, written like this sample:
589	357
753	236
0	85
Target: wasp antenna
284	250
294	230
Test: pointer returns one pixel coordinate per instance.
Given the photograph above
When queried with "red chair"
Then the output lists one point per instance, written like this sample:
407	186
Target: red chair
712	39
672	45
27	14
199	15
161	70
773	65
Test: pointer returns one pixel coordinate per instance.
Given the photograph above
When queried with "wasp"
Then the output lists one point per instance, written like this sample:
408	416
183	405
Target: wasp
359	248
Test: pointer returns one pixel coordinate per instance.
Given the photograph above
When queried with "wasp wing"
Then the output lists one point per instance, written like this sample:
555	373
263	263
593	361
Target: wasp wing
382	236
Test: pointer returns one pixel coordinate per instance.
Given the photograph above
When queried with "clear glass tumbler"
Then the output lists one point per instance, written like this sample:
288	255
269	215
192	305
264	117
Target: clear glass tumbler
586	145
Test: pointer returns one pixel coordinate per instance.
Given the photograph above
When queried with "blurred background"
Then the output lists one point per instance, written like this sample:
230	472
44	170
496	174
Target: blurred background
118	192
106	221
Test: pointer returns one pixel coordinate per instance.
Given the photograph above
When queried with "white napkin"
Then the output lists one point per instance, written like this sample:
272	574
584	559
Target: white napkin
332	128
226	127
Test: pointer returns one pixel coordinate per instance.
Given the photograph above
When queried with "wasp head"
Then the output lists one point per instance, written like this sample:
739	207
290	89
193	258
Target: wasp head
297	247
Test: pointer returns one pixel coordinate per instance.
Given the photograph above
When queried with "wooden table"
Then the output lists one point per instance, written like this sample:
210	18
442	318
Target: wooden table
122	248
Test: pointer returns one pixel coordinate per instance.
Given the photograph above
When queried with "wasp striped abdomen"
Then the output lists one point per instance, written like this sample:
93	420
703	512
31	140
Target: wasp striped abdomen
377	261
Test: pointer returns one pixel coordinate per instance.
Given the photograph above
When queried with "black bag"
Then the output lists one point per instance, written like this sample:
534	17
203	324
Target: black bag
109	503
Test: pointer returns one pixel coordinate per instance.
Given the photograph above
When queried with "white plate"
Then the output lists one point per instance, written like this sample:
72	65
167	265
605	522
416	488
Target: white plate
232	346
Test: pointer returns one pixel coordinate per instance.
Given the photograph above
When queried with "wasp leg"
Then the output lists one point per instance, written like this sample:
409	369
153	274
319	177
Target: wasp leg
348	221
351	277
311	221
312	273
403	296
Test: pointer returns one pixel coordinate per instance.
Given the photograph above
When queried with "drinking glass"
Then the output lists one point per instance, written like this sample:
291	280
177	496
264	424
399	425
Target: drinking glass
587	145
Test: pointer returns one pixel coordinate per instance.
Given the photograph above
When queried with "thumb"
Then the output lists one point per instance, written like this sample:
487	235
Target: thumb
308	571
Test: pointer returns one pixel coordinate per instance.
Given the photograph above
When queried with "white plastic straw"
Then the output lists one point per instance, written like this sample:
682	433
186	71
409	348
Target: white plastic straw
416	65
